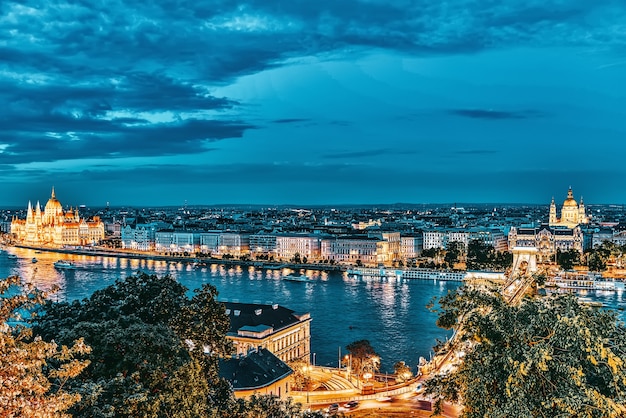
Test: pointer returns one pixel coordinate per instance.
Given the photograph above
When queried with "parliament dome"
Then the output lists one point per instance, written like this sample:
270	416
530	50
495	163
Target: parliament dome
53	205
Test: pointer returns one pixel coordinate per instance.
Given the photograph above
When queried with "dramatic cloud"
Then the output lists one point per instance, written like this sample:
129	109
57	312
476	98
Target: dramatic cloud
123	80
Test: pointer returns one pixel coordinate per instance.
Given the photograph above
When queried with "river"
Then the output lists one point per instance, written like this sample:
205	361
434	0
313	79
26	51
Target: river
391	313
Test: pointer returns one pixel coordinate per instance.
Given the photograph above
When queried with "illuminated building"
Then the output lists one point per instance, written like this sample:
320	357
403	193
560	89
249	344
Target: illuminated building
280	330
572	214
55	227
561	234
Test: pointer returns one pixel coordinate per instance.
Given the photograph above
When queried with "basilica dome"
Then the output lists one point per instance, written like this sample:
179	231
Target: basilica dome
570	202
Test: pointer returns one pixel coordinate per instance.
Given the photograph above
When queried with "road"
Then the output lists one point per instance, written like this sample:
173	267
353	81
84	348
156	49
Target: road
409	404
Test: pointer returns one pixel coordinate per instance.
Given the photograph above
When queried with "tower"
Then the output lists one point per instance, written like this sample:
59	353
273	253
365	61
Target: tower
552	219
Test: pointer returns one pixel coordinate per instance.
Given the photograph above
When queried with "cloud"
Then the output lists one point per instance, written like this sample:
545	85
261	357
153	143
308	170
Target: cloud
366	153
290	120
111	79
495	114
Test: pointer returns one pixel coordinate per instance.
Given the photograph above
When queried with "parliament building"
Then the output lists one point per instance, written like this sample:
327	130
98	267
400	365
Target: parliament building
55	227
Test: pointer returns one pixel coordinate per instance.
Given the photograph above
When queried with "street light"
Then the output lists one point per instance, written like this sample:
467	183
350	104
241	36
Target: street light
307	370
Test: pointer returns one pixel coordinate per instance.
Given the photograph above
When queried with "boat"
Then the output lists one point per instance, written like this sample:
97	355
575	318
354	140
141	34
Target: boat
581	281
293	278
12	256
34	260
60	264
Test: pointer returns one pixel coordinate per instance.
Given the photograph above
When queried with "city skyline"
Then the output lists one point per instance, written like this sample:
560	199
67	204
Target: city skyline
288	103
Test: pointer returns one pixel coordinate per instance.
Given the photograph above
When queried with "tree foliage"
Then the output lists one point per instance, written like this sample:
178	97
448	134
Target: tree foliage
402	371
567	259
481	256
33	373
362	357
148	341
548	357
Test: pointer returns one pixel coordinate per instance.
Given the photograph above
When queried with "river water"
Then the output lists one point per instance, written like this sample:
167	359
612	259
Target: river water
391	313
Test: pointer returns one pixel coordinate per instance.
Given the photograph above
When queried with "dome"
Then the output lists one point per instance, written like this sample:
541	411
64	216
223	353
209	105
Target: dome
53	204
570	202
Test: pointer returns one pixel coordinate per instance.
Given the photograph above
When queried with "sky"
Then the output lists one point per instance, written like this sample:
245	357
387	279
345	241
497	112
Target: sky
312	102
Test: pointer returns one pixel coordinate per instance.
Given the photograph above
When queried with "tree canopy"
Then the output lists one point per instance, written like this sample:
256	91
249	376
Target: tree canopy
148	340
547	357
33	373
363	358
481	256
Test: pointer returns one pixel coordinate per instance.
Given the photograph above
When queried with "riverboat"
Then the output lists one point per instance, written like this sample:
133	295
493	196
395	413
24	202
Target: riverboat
302	279
12	256
68	265
581	281
414	273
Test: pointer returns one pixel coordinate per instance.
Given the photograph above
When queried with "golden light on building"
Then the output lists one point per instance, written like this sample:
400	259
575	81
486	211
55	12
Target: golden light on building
55	227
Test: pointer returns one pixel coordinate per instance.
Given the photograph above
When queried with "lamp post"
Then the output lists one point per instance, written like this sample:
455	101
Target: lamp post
307	370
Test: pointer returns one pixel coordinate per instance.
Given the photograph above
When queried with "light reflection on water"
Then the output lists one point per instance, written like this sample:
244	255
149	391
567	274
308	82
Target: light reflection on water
391	313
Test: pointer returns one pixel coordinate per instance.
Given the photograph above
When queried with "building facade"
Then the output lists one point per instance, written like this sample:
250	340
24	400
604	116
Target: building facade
55	227
547	240
280	330
572	214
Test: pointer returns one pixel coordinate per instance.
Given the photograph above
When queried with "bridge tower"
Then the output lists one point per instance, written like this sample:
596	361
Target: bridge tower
524	261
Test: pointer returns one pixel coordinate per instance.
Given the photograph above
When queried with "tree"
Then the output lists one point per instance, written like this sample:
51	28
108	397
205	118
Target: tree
454	252
269	406
567	259
481	256
402	371
33	373
547	357
596	262
148	341
363	358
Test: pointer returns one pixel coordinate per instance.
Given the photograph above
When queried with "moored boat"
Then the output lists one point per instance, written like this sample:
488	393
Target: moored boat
293	278
61	264
581	281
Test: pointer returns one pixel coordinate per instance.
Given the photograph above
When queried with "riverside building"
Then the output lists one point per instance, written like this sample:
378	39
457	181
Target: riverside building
55	227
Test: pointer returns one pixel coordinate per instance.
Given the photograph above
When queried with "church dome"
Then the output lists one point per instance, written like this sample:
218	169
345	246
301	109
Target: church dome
570	202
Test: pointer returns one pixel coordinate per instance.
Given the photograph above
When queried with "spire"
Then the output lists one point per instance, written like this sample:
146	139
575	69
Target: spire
52	196
570	194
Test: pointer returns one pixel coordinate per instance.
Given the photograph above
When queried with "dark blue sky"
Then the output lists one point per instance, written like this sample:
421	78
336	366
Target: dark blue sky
369	101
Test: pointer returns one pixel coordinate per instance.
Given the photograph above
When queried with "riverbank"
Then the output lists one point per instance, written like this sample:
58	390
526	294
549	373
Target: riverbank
103	252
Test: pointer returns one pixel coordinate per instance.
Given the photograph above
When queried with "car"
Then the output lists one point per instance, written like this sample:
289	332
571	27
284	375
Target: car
333	408
351	405
384	399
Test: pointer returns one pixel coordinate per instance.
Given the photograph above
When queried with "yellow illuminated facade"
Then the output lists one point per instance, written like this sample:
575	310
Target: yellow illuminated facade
572	214
55	227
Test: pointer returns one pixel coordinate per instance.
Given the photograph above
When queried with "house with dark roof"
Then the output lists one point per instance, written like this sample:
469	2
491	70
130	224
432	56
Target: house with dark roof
282	331
258	371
